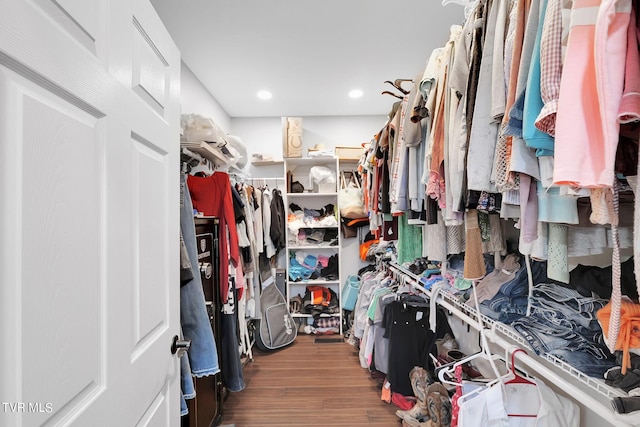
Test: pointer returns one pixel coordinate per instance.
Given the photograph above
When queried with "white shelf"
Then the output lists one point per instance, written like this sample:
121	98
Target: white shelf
315	282
267	162
311	161
314	247
314	195
303	315
206	151
299	169
320	226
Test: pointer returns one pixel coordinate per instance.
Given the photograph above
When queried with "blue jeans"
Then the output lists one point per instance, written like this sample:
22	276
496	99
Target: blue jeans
557	302
203	354
232	375
544	337
586	363
186	383
503	308
590	357
519	285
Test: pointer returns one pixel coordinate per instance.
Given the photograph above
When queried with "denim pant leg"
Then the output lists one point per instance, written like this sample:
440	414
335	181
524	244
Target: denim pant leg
520	283
585	362
543	337
568	303
232	375
203	355
186	384
184	410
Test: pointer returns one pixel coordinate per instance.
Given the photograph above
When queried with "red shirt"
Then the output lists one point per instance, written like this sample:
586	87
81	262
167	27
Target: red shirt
211	195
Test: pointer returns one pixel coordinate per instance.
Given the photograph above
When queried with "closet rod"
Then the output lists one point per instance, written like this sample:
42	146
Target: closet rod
475	324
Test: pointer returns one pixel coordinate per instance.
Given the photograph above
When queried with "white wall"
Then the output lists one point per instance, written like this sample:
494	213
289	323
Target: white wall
195	99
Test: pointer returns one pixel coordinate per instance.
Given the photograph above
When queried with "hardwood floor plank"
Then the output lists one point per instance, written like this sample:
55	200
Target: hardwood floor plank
309	384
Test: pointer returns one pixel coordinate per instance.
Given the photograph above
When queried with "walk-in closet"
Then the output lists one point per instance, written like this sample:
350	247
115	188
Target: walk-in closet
411	213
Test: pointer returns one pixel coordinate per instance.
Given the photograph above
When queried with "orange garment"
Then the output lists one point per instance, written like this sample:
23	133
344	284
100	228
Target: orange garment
629	335
364	248
523	9
435	186
521	23
319	295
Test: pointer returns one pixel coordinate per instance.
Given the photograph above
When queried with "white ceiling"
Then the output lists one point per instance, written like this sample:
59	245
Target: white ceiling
309	54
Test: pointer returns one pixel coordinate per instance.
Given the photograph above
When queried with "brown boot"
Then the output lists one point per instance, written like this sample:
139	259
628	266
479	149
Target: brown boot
439	405
419	383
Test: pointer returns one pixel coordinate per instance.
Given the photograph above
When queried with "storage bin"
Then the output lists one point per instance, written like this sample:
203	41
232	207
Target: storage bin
349	153
350	291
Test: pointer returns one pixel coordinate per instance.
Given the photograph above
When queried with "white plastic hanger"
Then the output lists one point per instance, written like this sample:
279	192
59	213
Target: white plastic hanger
460	2
483	353
445	372
518	380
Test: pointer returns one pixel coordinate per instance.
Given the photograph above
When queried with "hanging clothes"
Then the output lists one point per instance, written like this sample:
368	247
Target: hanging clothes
194	319
493	406
211	195
277	227
267	197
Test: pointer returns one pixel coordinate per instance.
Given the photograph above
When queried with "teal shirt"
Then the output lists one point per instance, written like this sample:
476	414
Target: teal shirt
533	137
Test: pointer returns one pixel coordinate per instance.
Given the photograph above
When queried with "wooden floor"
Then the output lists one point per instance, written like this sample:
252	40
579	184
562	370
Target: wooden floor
308	384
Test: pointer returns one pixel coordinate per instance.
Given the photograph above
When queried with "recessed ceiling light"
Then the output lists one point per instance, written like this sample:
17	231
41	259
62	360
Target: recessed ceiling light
356	93
264	94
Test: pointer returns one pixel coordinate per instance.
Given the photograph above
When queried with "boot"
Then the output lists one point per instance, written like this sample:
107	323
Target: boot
419	383
439	405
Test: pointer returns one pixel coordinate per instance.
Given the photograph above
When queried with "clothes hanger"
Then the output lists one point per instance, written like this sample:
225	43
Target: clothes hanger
398	85
517	378
386	92
458	2
445	372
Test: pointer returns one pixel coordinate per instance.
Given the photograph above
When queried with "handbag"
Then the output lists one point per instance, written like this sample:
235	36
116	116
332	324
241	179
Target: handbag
350	198
349	226
350	291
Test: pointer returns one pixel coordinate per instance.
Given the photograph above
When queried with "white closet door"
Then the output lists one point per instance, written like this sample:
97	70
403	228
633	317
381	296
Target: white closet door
89	214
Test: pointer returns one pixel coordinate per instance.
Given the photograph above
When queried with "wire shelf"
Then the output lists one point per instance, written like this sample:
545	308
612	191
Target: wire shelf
466	312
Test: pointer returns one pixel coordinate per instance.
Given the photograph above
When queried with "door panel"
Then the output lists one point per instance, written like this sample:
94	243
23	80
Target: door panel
150	72
156	414
60	249
150	286
79	21
89	218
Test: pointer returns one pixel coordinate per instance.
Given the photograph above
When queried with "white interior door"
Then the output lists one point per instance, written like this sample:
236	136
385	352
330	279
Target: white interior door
89	214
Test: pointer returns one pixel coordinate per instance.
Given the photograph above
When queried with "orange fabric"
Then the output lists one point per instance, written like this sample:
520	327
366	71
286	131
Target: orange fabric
629	336
385	396
522	15
521	23
319	295
364	248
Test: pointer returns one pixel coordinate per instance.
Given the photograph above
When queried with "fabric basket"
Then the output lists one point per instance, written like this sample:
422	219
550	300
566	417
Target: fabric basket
350	291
